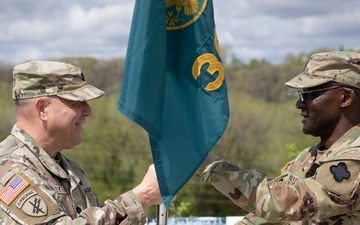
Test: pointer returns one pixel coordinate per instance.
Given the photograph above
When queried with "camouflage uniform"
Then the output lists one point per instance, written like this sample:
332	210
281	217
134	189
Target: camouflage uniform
48	78
57	191
38	189
318	187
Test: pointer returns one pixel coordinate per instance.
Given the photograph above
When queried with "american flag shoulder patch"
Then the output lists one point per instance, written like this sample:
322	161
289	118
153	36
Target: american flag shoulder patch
13	190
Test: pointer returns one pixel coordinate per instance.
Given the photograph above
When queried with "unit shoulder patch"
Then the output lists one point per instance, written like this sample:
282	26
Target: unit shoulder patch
24	200
340	177
32	204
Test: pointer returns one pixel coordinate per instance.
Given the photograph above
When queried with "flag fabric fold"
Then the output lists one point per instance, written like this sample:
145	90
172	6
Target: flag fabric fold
174	86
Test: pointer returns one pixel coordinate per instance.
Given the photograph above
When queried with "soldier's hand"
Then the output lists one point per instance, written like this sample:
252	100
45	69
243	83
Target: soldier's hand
148	190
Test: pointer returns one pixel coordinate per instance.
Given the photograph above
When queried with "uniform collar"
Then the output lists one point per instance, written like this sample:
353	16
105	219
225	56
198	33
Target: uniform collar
346	144
38	152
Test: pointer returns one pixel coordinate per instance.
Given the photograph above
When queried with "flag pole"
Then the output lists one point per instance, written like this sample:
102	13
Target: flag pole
162	215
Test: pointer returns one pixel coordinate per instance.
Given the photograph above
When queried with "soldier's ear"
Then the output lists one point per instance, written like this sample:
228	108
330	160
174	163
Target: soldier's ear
348	97
42	108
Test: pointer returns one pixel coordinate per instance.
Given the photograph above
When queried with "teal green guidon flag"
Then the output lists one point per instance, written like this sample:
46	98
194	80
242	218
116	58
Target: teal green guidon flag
174	86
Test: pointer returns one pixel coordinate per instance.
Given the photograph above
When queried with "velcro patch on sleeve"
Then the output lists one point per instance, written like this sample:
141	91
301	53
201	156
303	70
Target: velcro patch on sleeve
32	204
340	177
13	189
27	201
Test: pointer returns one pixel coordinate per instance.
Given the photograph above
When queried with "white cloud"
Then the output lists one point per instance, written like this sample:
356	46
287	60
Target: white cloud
100	28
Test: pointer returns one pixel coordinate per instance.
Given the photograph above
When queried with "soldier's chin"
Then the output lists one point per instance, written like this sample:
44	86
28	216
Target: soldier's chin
311	132
306	130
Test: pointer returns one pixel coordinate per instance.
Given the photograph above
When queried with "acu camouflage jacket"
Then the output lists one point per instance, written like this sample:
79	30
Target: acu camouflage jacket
36	189
318	187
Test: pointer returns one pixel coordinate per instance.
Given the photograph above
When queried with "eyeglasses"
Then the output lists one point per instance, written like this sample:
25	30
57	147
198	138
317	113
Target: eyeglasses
309	95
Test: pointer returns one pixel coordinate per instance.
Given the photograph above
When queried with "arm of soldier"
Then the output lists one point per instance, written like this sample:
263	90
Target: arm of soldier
126	209
148	190
276	200
130	206
33	205
221	174
248	189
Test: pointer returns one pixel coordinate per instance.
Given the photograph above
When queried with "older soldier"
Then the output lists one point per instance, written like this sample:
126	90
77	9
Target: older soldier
321	186
39	185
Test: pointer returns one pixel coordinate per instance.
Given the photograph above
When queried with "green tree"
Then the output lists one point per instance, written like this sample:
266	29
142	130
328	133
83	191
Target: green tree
264	131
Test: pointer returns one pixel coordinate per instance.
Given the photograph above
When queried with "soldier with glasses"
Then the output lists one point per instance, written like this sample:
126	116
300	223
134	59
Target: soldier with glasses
321	185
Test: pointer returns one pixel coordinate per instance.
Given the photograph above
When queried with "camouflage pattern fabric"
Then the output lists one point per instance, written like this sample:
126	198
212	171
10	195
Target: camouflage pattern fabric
50	78
337	66
36	189
318	187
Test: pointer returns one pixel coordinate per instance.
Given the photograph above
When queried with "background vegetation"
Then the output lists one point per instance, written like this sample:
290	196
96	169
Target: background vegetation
264	130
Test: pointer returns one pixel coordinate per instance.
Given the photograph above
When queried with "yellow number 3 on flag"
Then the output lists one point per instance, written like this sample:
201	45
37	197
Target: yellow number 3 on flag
214	65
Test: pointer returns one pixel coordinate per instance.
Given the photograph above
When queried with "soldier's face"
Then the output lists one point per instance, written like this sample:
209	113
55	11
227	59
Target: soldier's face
320	111
66	121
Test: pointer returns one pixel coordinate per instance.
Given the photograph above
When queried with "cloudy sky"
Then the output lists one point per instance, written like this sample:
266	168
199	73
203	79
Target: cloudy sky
260	29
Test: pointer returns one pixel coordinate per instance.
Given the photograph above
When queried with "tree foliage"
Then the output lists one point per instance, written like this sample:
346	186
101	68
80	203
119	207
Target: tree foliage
264	131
